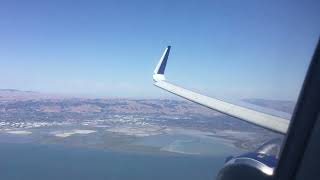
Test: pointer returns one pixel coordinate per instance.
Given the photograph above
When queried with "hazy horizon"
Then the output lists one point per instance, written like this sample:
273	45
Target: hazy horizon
164	96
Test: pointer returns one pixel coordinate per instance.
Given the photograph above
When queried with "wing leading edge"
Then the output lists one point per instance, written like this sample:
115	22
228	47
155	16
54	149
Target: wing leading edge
264	120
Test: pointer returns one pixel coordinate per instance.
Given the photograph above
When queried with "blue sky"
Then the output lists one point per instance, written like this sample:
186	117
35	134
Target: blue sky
225	49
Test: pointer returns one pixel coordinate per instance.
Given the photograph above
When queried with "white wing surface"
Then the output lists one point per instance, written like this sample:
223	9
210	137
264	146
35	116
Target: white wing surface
267	121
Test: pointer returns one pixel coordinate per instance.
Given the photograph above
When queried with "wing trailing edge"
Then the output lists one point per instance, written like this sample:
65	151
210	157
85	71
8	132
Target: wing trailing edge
274	123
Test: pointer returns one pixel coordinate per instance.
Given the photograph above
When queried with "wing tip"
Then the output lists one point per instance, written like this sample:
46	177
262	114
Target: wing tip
160	68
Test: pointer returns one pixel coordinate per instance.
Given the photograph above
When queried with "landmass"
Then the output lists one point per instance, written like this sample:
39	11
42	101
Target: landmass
124	123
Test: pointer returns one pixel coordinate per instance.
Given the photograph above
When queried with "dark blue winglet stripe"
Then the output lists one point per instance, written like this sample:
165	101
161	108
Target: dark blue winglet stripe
164	62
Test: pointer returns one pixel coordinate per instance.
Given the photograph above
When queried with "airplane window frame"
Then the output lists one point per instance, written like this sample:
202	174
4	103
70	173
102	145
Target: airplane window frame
302	126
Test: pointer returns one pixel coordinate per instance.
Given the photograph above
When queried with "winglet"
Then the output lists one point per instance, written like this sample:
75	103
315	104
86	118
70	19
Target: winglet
158	74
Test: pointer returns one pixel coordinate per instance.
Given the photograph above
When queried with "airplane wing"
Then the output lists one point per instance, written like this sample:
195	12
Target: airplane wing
267	121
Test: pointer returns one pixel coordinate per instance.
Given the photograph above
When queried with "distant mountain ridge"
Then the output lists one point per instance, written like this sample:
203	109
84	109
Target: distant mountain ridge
15	91
20	95
13	101
15	104
10	90
279	105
